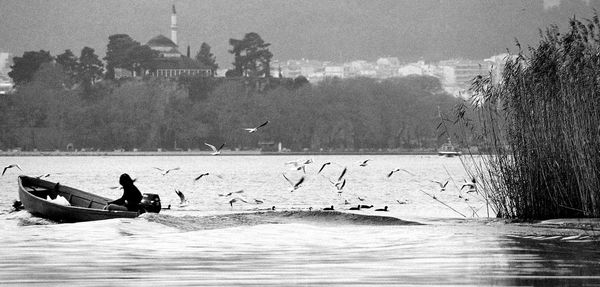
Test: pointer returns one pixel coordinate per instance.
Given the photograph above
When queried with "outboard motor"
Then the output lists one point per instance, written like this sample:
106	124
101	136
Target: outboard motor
150	203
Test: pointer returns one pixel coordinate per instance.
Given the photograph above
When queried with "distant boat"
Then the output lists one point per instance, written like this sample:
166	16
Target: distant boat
75	205
448	150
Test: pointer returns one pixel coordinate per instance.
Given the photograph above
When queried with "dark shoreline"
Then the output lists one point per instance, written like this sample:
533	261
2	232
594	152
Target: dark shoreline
200	153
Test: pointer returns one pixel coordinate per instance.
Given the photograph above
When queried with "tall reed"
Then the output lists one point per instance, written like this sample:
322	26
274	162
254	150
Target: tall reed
539	125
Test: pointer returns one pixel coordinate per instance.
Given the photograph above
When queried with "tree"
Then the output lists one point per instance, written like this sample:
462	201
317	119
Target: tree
90	68
207	58
25	67
140	59
251	56
117	53
70	65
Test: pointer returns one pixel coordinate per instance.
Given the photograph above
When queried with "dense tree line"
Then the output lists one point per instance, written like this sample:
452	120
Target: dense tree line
149	113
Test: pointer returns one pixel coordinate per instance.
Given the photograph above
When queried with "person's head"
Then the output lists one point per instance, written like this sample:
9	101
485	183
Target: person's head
125	179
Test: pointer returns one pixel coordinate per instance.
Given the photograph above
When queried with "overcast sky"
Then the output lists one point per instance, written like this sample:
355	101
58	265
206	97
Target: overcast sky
338	30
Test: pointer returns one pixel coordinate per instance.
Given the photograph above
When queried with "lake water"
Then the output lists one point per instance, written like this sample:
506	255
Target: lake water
210	243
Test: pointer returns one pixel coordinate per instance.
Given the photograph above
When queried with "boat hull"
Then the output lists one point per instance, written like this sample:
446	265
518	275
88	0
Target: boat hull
85	206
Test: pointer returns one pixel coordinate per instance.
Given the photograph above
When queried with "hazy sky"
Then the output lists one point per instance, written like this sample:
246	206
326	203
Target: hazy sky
339	30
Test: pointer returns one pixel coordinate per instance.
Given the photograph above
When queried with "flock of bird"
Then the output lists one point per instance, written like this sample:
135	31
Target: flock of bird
338	183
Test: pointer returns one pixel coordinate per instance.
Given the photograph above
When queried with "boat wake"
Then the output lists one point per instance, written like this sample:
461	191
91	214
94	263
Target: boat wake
192	223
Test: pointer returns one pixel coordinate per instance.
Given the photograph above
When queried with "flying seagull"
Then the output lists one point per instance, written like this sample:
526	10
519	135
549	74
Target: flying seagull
231	193
10	166
442	185
342	174
397	170
295	185
184	201
236	199
252	130
164	172
471	185
364	163
323	166
200	176
216	151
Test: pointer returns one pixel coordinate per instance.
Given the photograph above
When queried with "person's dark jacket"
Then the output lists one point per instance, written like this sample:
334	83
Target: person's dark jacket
131	195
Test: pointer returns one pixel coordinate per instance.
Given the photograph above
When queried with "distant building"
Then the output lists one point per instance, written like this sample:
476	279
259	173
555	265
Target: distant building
171	63
6	84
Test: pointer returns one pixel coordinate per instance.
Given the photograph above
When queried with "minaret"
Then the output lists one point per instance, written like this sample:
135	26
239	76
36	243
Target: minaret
174	26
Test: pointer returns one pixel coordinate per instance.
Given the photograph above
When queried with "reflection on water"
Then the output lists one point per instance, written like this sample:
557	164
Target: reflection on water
207	244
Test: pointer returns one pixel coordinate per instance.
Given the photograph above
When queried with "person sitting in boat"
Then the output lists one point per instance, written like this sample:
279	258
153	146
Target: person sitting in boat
131	196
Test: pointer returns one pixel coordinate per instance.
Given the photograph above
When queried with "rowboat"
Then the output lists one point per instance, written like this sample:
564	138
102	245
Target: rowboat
61	203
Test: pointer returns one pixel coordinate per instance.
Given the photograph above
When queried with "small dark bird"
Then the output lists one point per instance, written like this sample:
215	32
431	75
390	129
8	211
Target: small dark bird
10	166
328	208
252	130
230	193
442	185
364	163
355	208
323	166
164	172
294	185
183	201
200	176
216	151
365	206
382	209
168	207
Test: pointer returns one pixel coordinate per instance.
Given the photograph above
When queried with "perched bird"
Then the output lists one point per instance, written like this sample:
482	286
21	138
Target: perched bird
328	208
365	206
10	166
442	185
252	130
216	151
364	163
323	166
355	208
236	199
382	209
295	185
231	193
200	176
183	201
164	172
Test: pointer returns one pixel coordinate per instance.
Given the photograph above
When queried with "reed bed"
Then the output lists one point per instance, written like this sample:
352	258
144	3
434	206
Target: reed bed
538	126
